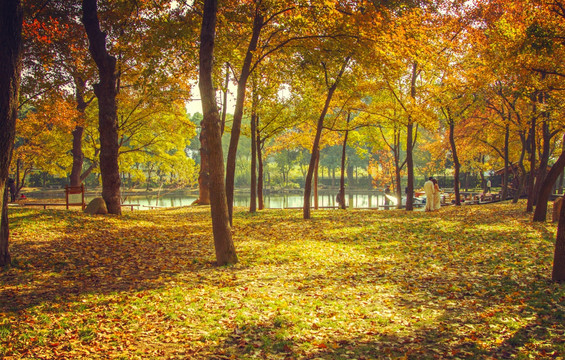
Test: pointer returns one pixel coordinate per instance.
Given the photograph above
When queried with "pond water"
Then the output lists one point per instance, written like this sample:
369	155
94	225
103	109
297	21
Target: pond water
272	201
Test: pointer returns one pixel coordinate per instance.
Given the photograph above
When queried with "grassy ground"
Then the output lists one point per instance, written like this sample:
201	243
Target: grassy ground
467	282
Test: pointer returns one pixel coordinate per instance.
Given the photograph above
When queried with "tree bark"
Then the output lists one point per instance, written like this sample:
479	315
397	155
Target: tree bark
398	180
532	175
225	102
204	174
456	164
316	144
316	167
558	272
260	173
505	174
397	168
410	145
253	192
238	113
106	92
521	179
341	194
78	155
10	69
223	243
545	190
409	167
544	161
314	156
19	180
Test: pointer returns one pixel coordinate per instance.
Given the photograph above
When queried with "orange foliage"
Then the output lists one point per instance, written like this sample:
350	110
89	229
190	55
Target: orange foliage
382	170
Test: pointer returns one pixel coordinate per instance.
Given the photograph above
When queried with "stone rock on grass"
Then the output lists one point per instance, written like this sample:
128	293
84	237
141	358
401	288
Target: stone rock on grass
96	206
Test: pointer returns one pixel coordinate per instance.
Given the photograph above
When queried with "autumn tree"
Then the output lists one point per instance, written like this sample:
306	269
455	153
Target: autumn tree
56	61
386	140
263	37
273	110
225	250
406	72
530	60
332	75
42	138
11	19
106	93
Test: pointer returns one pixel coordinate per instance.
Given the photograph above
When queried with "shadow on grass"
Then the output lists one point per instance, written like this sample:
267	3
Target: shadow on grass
471	323
489	282
470	282
114	254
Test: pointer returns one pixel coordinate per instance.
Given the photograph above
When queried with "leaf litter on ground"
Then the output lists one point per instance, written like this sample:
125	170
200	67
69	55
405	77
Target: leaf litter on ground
464	282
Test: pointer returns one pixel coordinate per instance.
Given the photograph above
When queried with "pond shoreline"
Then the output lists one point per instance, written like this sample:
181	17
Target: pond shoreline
274	199
60	192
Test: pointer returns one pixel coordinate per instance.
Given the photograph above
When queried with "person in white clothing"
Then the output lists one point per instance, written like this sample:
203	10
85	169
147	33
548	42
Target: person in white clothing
437	196
429	190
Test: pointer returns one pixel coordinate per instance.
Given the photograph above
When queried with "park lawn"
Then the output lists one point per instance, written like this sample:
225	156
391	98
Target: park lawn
464	282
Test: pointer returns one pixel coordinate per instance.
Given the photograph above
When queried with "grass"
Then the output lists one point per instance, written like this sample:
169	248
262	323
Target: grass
465	282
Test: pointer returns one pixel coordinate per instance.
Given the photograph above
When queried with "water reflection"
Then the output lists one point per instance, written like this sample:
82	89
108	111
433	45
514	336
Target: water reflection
272	201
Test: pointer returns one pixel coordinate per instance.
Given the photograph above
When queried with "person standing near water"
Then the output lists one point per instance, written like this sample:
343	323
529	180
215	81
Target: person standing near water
436	197
429	190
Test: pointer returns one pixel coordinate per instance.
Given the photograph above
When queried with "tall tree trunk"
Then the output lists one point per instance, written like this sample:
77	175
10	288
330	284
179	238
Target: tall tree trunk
78	156
225	102
260	173
106	92
19	179
544	160
545	190
409	167
253	192
532	175
398	180
521	179
204	174
5	258
410	145
341	193
10	69
456	164
223	243
397	167
560	190
465	179
482	175
316	167
505	174
314	156
316	144
558	271
238	113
